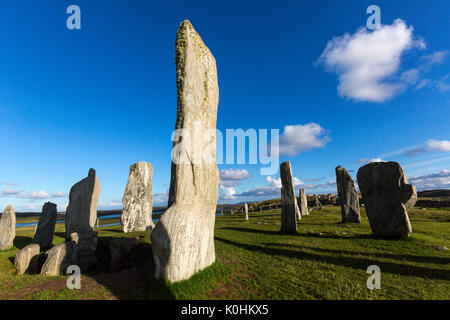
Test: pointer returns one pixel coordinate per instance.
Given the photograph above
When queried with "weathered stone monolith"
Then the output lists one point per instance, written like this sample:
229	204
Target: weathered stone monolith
7	228
246	211
46	226
318	204
348	197
387	197
27	259
183	240
60	257
137	199
303	203
289	207
81	215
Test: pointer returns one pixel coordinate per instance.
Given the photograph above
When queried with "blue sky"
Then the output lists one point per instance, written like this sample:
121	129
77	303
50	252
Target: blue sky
105	96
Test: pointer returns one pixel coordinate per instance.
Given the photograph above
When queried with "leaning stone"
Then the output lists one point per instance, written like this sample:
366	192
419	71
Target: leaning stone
59	258
27	259
81	215
348	197
137	199
119	253
46	226
7	228
289	207
183	240
318	205
303	203
246	211
387	197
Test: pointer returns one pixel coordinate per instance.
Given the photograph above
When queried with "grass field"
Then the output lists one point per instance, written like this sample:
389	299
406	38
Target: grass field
325	260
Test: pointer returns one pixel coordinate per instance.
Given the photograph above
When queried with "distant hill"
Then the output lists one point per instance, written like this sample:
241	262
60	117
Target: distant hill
434	193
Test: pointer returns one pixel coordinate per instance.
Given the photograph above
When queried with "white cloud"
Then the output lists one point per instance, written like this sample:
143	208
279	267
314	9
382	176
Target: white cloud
410	76
431	146
365	61
298	138
41	194
233	177
443	85
9	192
423	83
59	194
432	180
368	160
161	198
436	57
227	193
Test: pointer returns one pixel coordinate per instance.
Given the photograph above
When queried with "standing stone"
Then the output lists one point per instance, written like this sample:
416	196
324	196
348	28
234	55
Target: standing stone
289	207
27	259
60	257
348	197
81	215
387	197
7	228
183	240
303	203
318	205
246	211
137	199
46	226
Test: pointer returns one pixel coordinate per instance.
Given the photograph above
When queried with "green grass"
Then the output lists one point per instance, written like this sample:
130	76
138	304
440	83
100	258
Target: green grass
325	260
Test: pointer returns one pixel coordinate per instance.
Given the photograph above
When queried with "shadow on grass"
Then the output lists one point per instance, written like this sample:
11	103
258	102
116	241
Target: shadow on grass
354	263
423	259
335	236
21	242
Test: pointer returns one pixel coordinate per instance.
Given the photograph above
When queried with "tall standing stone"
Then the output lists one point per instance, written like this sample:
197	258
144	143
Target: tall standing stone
137	199
46	226
183	240
387	197
81	215
348	197
289	207
7	228
246	211
303	203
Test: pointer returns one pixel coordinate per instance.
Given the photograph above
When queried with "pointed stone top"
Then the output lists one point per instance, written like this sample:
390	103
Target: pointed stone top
9	208
91	172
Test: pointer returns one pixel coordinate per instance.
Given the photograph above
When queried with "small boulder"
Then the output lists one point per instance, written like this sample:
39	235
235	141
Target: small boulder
60	257
27	259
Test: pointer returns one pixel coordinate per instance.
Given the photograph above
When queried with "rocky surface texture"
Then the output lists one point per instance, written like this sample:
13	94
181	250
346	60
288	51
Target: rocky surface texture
387	197
289	208
46	227
183	240
137	199
246	211
303	205
27	259
60	257
348	197
7	228
81	215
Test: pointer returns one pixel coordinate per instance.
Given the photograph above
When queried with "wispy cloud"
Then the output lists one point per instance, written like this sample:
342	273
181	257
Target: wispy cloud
59	194
41	194
431	146
432	180
6	183
368	160
233	177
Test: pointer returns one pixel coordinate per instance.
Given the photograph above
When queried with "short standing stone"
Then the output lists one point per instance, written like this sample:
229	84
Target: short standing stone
289	207
303	203
246	211
137	199
46	226
387	197
183	239
81	215
348	197
7	228
59	258
27	259
318	205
